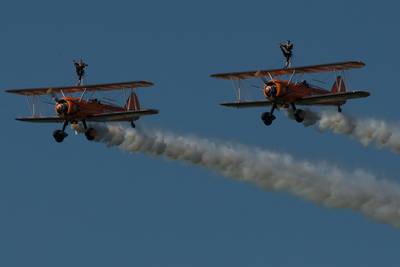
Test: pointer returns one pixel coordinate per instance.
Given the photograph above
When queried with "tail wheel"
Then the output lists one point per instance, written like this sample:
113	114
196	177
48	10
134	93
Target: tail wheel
299	115
267	118
133	124
90	134
59	135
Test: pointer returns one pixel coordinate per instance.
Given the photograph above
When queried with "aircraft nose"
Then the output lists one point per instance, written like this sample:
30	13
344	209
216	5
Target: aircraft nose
61	108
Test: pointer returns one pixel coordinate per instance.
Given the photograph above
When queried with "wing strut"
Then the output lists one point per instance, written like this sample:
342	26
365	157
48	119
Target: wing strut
272	79
82	95
236	85
291	76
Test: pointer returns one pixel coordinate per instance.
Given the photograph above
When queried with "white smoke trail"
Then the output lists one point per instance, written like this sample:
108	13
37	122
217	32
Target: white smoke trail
318	182
367	131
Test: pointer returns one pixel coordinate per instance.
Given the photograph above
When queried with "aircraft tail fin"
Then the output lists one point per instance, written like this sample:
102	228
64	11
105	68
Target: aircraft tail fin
132	103
338	86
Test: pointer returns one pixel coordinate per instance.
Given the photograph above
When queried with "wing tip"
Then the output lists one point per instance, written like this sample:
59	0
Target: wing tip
231	104
360	63
363	93
13	91
154	111
217	76
226	104
148	83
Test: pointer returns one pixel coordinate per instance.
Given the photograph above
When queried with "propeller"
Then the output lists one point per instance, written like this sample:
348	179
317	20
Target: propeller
264	79
48	103
52	94
256	86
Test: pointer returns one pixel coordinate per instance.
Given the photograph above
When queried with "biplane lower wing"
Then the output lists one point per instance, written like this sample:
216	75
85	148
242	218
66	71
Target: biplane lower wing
326	99
247	104
40	119
102	117
331	98
121	116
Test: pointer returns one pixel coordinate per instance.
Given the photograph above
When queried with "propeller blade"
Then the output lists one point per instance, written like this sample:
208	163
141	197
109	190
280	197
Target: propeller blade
48	103
52	94
263	79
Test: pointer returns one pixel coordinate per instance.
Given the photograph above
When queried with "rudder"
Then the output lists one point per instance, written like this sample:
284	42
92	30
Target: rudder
132	103
338	86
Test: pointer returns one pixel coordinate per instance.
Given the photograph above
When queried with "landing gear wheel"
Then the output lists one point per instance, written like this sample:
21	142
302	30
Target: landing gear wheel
59	135
133	124
90	134
299	115
267	118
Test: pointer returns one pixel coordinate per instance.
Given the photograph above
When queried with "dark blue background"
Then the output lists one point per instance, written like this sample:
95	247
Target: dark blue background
82	204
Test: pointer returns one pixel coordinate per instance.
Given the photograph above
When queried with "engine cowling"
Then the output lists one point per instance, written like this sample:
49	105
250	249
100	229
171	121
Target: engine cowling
273	89
64	107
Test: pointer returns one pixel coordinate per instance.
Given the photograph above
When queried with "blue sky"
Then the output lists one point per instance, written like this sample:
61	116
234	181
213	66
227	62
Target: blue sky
80	203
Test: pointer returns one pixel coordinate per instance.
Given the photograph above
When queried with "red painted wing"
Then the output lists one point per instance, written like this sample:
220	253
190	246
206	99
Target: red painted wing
277	72
81	88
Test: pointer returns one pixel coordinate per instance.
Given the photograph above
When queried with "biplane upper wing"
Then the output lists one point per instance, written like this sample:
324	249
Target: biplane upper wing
121	116
277	72
330	98
80	88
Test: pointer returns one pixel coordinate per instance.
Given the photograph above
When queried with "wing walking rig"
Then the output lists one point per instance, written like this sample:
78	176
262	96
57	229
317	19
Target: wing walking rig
289	94
70	109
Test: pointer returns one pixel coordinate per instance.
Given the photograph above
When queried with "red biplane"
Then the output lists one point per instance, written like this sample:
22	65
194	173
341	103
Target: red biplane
290	93
75	109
